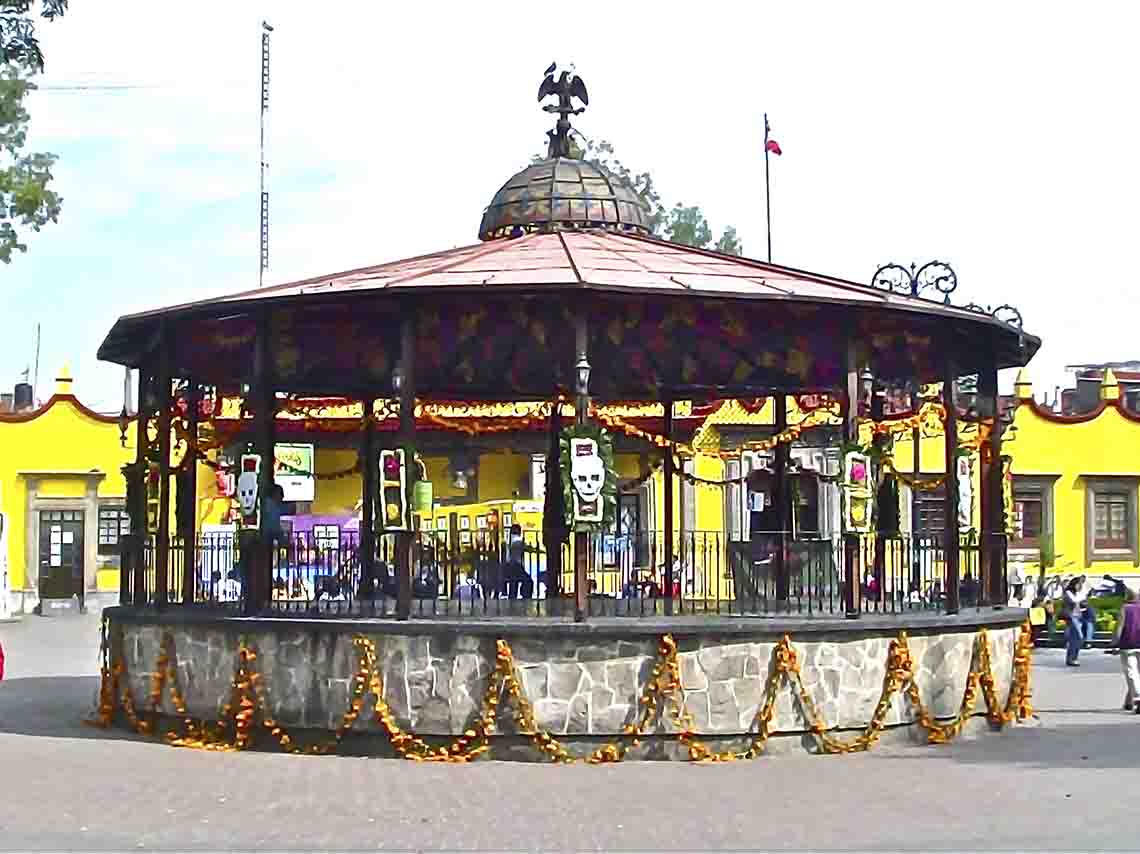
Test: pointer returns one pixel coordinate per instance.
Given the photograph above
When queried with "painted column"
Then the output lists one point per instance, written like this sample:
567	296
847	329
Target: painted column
190	484
950	375
581	415
669	473
258	581
162	553
781	499
368	464
878	401
991	505
852	575
132	570
553	509
405	539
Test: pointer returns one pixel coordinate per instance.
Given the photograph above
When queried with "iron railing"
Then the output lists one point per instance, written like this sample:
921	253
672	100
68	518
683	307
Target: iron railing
472	574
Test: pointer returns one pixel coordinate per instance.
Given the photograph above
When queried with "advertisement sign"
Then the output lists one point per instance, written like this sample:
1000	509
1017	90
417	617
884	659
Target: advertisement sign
293	471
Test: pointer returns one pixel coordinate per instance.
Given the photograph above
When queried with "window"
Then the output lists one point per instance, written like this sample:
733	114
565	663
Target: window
114	522
930	511
326	537
1032	512
1110	519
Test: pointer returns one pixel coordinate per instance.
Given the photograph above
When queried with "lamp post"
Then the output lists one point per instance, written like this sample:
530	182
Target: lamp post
581	412
582	387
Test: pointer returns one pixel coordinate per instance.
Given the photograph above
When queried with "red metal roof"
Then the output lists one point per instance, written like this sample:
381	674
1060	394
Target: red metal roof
600	260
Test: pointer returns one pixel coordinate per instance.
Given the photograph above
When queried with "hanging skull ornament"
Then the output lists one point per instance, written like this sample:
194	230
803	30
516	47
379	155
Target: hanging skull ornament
587	476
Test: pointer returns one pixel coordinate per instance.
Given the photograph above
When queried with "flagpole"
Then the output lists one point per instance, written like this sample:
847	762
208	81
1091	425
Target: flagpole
767	191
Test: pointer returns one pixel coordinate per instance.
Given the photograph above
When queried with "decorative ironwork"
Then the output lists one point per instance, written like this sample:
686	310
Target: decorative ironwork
567	87
933	275
1006	313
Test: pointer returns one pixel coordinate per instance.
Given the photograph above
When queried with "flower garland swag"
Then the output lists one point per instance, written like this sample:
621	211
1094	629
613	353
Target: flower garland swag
247	704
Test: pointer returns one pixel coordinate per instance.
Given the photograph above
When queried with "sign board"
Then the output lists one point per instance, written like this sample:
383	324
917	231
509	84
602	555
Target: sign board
293	471
538	477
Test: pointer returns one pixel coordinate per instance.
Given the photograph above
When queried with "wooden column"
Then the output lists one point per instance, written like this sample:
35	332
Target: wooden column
852	587
669	473
136	492
259	569
405	539
781	500
162	554
581	537
190	484
950	375
991	548
368	501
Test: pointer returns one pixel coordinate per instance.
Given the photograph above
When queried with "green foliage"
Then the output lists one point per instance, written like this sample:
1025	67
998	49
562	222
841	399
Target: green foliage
688	225
729	243
26	202
680	224
18	43
1047	555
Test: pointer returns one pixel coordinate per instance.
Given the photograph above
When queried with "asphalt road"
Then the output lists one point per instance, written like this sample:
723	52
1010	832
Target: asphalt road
1069	783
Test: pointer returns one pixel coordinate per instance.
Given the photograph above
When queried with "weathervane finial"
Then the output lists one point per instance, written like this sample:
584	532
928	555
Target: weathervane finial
567	86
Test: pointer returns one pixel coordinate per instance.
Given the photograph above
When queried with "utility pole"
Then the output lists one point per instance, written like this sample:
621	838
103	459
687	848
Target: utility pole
266	29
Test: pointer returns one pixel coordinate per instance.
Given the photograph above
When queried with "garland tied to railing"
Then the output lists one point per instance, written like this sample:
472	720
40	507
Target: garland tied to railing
248	705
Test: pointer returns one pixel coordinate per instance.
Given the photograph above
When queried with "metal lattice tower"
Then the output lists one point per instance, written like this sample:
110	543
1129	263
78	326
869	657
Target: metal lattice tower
266	29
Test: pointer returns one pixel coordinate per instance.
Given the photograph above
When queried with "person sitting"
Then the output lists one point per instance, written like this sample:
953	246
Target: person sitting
467	590
517	580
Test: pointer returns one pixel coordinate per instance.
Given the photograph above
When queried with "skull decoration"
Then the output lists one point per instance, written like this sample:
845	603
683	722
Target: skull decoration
587	476
247	488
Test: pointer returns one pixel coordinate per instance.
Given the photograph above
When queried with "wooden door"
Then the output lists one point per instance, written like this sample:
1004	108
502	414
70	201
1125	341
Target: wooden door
61	554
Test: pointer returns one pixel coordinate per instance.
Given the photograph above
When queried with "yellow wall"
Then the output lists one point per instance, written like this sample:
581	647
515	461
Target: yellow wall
1108	444
60	439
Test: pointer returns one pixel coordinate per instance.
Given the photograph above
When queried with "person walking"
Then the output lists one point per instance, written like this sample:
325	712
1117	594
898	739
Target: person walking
1128	642
1072	609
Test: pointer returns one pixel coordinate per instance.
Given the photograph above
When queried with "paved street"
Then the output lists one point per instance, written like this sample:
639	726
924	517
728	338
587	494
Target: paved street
1066	784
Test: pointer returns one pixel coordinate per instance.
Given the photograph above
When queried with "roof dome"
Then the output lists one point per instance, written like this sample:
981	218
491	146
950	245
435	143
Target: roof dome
561	193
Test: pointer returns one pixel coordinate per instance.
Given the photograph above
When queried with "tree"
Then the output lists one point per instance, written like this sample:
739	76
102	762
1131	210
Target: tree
688	225
680	224
25	199
18	43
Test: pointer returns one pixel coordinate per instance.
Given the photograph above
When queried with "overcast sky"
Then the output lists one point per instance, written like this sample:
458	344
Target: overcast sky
1000	137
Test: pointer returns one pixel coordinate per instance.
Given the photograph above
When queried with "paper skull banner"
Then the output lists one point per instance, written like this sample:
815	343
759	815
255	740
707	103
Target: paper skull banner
588	478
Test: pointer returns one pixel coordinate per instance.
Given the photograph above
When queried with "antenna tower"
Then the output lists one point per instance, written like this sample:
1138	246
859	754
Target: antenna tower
266	29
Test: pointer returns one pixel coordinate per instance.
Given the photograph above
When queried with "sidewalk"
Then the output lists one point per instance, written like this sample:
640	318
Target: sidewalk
1058	785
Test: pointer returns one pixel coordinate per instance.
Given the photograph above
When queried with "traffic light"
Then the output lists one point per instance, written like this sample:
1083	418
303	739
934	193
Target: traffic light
393	505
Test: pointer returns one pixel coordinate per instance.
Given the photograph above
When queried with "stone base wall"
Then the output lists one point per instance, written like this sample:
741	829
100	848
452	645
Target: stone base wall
586	687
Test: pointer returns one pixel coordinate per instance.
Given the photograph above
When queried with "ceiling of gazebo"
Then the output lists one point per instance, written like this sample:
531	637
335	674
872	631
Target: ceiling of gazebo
495	320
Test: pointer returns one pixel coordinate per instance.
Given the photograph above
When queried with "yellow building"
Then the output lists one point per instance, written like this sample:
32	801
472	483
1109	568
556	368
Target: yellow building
62	494
1075	480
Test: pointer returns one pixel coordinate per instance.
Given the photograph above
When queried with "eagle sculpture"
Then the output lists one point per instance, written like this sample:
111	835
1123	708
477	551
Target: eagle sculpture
567	87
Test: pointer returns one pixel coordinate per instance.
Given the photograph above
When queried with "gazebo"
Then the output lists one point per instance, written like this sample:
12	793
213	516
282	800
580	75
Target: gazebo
568	304
567	296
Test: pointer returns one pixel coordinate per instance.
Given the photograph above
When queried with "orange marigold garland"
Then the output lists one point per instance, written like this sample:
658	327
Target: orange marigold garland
248	701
